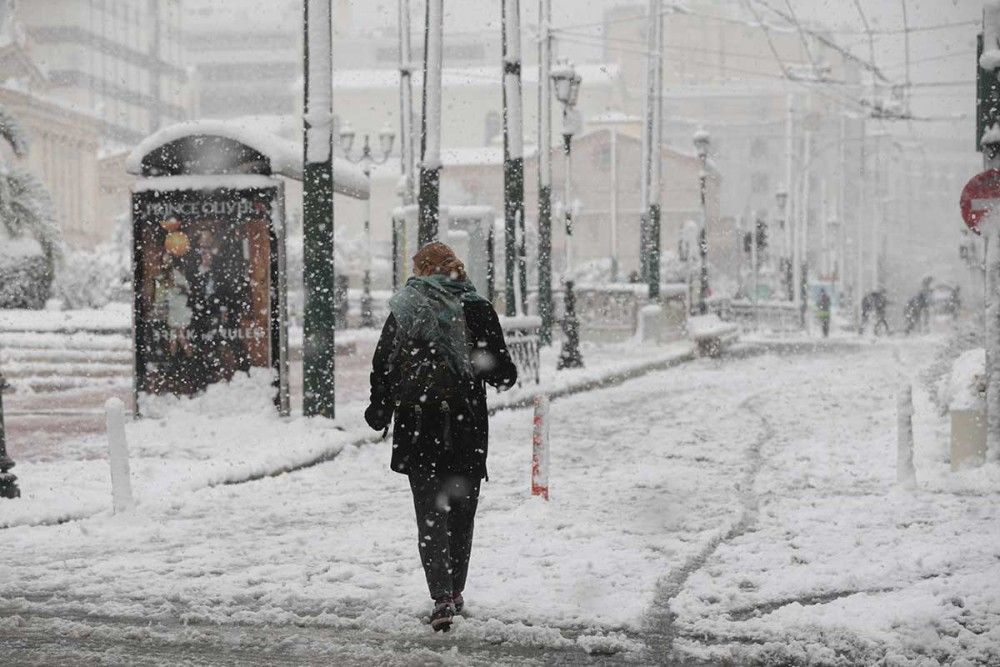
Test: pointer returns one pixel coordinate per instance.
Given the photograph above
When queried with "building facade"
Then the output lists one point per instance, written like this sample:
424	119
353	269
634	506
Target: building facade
118	60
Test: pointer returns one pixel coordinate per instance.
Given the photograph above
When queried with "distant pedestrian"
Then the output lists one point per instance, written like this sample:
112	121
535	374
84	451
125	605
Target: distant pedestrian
917	311
954	305
873	306
823	312
439	347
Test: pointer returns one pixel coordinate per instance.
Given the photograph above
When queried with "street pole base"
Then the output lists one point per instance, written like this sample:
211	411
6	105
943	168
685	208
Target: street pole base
8	486
569	357
367	319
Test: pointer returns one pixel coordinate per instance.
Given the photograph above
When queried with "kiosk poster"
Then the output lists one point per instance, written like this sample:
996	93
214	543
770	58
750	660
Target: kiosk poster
204	267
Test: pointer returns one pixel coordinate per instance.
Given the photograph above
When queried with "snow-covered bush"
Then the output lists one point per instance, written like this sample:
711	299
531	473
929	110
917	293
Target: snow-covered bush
26	219
965	387
25	278
92	278
967	335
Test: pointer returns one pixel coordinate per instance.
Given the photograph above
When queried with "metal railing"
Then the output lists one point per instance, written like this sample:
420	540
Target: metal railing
773	315
522	337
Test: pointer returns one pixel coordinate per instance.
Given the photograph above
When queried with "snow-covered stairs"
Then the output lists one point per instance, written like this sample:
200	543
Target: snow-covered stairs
48	362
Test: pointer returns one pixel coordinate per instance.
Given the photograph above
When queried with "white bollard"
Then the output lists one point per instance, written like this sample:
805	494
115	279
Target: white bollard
540	448
121	485
906	474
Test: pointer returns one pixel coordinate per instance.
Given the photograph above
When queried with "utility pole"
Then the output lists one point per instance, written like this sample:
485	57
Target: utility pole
317	213
702	143
804	229
842	209
545	170
876	210
645	182
430	125
614	203
367	159
656	151
515	252
859	269
787	261
406	160
567	83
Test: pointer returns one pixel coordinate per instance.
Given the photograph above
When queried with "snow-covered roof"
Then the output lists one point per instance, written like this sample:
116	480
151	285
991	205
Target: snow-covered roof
284	155
203	182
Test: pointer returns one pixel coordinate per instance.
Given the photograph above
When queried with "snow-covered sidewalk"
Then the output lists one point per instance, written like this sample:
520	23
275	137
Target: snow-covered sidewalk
232	434
754	498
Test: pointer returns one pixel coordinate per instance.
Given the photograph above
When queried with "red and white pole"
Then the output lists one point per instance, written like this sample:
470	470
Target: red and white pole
540	448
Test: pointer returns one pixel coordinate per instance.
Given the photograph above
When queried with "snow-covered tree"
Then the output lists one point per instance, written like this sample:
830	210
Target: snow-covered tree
25	213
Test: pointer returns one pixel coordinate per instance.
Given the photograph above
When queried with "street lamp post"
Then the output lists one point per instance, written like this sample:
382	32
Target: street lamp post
567	88
8	482
386	138
785	264
545	170
319	318
702	143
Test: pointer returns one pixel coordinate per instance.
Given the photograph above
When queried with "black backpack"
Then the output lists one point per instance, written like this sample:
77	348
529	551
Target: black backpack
425	378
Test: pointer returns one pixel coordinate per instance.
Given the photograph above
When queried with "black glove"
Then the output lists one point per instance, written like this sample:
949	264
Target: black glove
378	417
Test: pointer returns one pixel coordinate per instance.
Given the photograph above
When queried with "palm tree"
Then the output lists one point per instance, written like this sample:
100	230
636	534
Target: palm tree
25	205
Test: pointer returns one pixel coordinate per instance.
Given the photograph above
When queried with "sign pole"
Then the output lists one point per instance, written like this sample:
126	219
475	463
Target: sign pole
988	141
980	206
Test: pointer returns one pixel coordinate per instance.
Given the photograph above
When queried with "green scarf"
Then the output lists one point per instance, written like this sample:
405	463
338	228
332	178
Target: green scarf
430	308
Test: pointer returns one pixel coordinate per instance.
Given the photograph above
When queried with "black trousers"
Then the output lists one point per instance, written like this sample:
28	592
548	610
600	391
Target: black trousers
446	511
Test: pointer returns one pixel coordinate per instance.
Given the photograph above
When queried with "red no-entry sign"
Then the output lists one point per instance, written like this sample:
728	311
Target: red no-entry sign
980	196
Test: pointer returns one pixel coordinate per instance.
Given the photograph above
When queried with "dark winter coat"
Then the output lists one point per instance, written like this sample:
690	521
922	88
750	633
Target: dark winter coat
449	436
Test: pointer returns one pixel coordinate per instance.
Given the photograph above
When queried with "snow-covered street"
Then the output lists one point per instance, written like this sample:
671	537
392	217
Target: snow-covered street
741	510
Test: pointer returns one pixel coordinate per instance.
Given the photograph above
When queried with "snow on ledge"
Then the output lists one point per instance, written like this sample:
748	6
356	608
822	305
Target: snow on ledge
708	326
285	155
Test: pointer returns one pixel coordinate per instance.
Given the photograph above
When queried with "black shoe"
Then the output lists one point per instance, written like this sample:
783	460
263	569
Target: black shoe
441	617
459	602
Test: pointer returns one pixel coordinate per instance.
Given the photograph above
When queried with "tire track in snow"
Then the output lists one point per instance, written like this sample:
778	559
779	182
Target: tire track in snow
660	631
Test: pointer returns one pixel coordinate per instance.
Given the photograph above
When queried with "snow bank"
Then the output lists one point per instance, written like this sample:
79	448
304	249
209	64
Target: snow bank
967	383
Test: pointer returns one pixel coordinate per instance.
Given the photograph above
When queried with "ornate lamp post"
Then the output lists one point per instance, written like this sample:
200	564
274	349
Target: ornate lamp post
8	482
567	87
386	138
785	263
702	142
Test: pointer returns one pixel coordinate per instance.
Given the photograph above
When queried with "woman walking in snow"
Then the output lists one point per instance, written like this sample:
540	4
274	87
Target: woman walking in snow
440	346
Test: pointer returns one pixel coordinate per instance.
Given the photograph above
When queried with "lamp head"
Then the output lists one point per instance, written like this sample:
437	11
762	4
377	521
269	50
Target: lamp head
781	198
386	138
563	77
702	142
